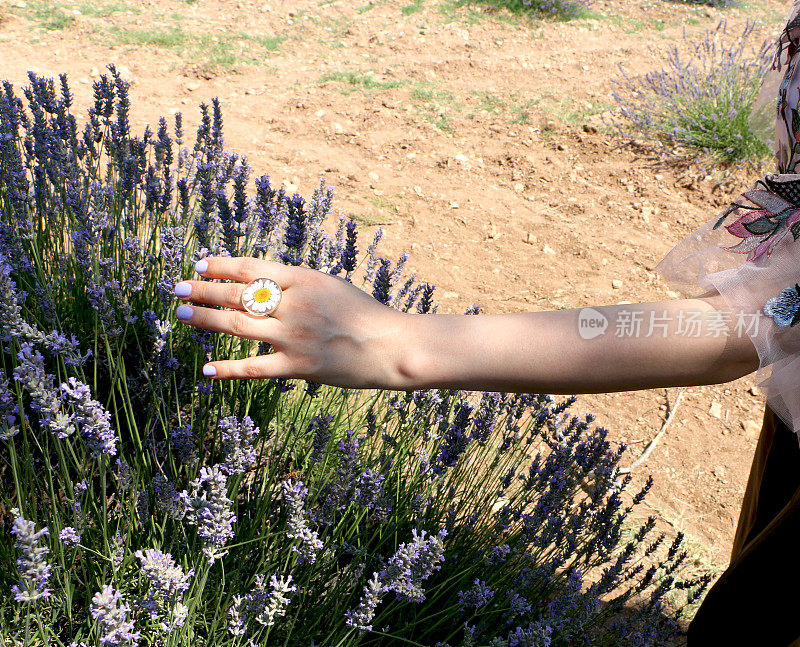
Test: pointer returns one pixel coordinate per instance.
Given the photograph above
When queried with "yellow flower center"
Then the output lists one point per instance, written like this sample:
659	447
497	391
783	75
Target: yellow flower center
262	295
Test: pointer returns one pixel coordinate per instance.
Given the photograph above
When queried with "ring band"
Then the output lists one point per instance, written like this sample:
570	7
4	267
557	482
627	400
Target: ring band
261	297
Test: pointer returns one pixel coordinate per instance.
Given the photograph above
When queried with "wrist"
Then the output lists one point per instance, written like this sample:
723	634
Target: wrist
419	348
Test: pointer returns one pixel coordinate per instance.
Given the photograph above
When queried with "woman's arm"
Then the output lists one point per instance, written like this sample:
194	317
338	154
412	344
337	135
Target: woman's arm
554	351
328	331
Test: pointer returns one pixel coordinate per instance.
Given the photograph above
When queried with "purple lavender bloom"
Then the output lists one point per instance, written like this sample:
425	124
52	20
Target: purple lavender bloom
168	499
412	564
369	492
261	605
320	427
168	583
425	303
172	248
478	596
14	326
41	387
297	523
34	571
117	546
69	536
108	610
9	410
350	251
337	493
372	258
124	474
267	212
93	420
296	233
237	440
183	445
208	203
211	511
382	283
361	617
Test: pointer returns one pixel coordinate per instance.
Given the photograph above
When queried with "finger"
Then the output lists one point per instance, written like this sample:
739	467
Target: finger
245	269
259	367
227	295
233	322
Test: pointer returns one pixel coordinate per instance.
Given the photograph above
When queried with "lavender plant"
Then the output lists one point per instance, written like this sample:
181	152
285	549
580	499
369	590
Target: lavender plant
174	511
719	4
700	101
557	9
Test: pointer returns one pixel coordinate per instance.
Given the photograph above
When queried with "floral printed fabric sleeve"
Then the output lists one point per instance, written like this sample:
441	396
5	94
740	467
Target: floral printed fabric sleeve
750	253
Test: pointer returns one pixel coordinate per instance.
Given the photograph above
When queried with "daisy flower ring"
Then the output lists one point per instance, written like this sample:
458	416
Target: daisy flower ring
261	297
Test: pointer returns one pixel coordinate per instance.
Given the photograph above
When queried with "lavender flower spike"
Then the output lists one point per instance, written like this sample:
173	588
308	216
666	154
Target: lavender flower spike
112	616
237	439
361	617
212	511
93	420
412	564
34	571
261	605
168	583
297	525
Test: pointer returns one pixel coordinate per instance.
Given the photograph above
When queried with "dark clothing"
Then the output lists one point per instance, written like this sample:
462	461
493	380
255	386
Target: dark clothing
755	603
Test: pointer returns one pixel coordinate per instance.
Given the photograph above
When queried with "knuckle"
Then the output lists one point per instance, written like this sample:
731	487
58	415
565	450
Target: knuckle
238	324
232	295
251	370
248	267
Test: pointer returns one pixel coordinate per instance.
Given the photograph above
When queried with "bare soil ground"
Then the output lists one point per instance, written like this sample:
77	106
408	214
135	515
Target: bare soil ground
475	140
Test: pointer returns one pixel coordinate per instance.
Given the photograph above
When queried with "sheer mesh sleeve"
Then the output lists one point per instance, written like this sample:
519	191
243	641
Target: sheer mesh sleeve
750	253
751	256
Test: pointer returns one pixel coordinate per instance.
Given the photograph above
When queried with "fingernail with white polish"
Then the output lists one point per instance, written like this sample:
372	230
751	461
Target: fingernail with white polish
182	289
201	266
209	371
184	312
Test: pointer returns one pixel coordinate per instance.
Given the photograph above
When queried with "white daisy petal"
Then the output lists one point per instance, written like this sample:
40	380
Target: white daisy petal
270	295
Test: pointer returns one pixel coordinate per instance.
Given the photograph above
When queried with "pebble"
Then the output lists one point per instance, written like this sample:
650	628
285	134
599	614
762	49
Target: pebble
616	284
754	390
529	238
250	91
94	72
319	113
751	427
454	205
715	410
561	147
373	176
194	85
519	187
126	74
719	472
589	128
548	250
462	158
337	128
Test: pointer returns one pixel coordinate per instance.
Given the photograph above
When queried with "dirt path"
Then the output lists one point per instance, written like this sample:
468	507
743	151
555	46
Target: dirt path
472	139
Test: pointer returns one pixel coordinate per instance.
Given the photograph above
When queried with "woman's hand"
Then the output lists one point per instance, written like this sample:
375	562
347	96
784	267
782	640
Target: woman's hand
324	328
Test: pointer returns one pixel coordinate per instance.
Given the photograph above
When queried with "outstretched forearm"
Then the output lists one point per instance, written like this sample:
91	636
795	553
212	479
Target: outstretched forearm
329	331
546	352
